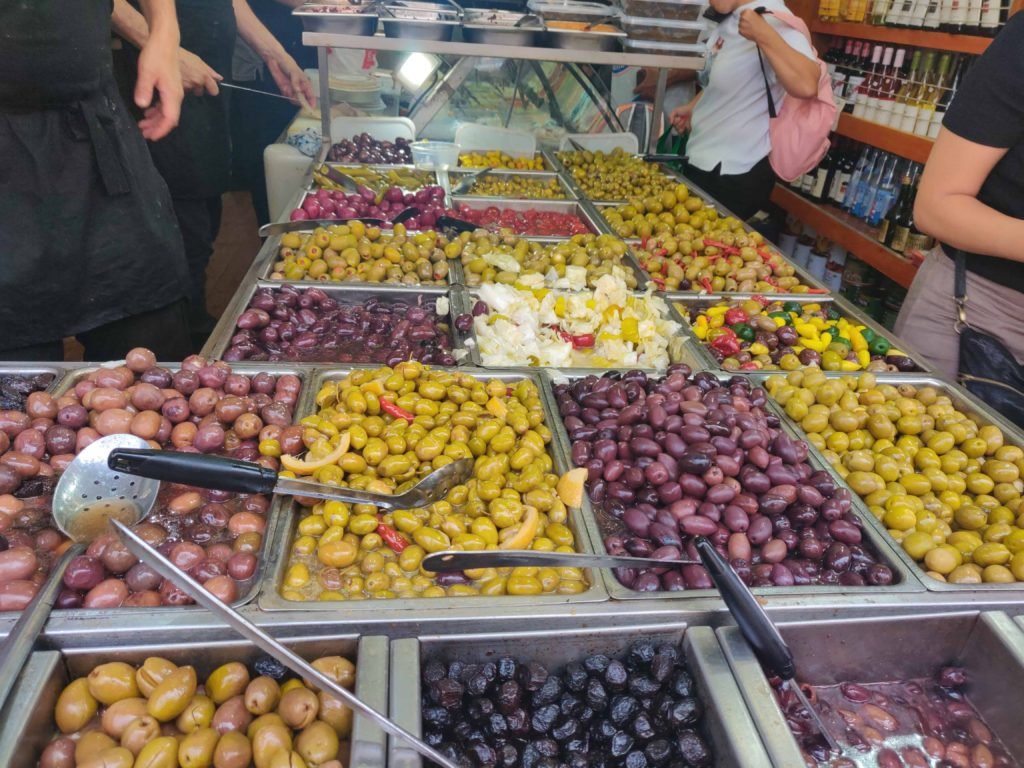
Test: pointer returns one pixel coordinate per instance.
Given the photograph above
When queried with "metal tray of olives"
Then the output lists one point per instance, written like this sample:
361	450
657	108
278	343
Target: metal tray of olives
456	175
682	348
271	598
727	724
327	18
28	722
458	270
961	401
575	207
343	293
35	369
246	590
690	301
876	650
904	581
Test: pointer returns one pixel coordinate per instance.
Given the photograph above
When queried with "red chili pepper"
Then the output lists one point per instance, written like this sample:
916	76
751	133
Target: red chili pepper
583	341
727	344
391	537
765	256
736	315
706	282
817	290
729	250
764	301
751	366
395	411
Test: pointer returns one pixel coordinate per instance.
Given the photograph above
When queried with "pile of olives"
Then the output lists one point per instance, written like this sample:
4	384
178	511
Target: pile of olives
354	252
497	159
524	187
403	423
363	148
15	389
487	257
944	483
376	179
160	714
616	175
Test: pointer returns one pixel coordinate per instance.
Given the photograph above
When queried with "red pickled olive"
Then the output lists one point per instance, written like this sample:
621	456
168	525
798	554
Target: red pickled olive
395	411
391	537
583	341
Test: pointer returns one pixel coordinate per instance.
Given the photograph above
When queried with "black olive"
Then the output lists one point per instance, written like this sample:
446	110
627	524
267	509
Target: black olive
640	654
270	667
532	676
566	729
544	718
621	744
548	692
575	677
642	727
447	692
643	686
597	696
615	676
686	711
507	668
622	709
597	663
636	760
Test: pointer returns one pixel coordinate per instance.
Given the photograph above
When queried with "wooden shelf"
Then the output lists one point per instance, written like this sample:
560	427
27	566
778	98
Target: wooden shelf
851	233
916	148
915	37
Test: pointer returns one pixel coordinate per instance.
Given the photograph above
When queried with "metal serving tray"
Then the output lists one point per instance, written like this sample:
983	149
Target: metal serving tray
28	725
581	40
963	402
344	293
881	650
457	269
284	534
247	590
456	175
575	207
681	348
691	301
727	724
419	24
336	23
493	27
904	581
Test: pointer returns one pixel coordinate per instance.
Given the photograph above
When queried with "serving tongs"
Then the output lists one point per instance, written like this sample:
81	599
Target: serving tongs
529	20
301	225
466	182
248	477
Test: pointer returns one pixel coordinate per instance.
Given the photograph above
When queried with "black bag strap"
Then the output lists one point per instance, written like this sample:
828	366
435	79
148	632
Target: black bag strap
960	288
772	113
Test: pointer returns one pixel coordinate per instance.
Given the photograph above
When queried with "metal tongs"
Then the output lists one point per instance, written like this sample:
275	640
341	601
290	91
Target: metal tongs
302	225
466	183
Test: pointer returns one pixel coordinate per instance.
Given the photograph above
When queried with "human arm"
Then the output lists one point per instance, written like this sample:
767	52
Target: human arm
158	64
647	80
797	73
947	205
197	76
290	79
682	116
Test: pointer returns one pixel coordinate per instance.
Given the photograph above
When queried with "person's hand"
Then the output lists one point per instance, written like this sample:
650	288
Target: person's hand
159	74
682	117
754	27
290	79
197	76
647	82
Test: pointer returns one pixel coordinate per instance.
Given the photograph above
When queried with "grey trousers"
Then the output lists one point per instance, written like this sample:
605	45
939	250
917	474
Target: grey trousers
929	312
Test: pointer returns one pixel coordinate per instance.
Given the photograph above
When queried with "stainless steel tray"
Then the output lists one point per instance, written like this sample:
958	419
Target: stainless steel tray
580	40
575	207
962	401
284	534
881	650
247	590
336	23
456	175
457	270
28	725
727	724
491	27
696	301
57	372
344	293
440	28
904	580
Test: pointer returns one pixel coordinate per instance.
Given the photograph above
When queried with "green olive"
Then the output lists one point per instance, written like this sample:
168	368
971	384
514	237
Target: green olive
268	740
198	714
227	681
112	682
112	757
262	695
317	743
151	674
196	749
338	668
92	743
170	698
263	721
75	706
120	714
431	540
162	752
139	733
233	751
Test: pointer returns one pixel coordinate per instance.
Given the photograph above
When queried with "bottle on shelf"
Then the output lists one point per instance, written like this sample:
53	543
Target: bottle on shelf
957	17
887	91
869	188
993	16
946	96
856	11
899	103
876	83
899	13
879	10
828	10
903	224
972	24
912	103
933	89
841	176
887	226
885	193
932	15
872	79
821	175
865	164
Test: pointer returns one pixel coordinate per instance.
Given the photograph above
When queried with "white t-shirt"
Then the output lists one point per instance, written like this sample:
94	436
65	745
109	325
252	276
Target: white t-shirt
730	122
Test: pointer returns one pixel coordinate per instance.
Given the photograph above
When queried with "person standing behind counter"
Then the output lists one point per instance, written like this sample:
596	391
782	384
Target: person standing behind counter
87	230
727	152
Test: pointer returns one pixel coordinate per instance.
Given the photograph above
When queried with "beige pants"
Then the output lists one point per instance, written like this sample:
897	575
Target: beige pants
929	312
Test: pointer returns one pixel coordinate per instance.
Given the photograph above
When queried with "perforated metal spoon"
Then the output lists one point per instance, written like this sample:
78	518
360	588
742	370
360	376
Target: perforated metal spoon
86	497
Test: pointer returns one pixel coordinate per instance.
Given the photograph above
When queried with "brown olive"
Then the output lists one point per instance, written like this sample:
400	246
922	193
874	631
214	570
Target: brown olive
336	714
197	715
298	707
112	757
283	759
120	714
91	743
271	718
59	753
197	748
75	706
317	743
338	668
139	733
227	681
262	695
232	716
268	740
139	359
233	751
162	752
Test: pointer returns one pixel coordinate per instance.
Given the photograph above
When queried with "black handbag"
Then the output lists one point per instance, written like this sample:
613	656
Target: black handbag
988	369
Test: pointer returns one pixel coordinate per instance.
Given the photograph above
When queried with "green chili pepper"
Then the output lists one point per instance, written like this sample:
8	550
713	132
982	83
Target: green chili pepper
879	346
743	331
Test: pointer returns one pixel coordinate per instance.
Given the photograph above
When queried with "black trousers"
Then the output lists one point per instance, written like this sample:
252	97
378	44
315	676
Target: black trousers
163	330
744	194
199	222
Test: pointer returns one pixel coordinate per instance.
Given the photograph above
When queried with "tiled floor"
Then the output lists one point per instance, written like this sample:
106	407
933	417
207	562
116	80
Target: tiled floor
233	253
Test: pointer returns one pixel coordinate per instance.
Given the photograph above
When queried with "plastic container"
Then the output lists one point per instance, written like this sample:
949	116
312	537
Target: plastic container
665	30
435	155
677	10
787	244
571	11
661	47
476	137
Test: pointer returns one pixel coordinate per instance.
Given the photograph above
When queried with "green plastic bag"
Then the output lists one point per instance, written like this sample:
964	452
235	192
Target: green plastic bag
672	143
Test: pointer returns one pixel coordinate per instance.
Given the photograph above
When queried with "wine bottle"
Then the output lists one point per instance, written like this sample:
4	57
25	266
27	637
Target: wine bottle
972	24
991	17
841	179
903	224
884	194
866	193
887	226
879	10
930	97
906	85
946	12
817	191
863	168
917	13
933	15
899	13
958	18
946	97
887	93
861	99
916	93
875	84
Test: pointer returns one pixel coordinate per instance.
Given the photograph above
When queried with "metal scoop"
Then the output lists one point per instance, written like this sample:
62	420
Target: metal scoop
307	225
467	182
246	477
86	497
758	629
512	558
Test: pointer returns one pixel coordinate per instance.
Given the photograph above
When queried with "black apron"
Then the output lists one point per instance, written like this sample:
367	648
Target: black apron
87	232
195	159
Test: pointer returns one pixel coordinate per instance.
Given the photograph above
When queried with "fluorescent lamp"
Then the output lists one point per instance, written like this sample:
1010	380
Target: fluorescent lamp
416	69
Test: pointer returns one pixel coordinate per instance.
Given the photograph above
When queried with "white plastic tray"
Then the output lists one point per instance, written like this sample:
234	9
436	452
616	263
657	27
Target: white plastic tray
476	137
